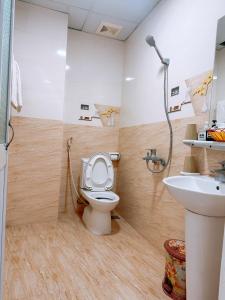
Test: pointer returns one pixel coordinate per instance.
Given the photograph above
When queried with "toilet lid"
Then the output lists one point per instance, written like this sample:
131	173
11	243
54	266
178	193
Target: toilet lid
99	174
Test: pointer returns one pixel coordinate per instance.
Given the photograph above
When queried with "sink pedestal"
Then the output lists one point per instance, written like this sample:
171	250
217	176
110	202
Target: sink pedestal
204	244
222	273
203	198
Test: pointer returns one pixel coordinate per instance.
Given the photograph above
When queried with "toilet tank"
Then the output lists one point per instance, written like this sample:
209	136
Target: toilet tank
84	162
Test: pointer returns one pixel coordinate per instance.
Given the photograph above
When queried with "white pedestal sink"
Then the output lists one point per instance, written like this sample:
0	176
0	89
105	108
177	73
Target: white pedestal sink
204	201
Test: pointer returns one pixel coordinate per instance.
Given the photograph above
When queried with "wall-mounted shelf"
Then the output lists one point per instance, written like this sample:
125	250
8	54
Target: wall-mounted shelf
205	144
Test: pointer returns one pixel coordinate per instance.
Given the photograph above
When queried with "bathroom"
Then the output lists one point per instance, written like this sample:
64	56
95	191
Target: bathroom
130	84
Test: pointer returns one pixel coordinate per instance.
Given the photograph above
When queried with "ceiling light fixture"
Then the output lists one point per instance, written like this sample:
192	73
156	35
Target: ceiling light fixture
129	78
61	52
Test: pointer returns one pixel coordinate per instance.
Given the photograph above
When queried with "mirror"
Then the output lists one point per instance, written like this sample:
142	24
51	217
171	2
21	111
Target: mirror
217	110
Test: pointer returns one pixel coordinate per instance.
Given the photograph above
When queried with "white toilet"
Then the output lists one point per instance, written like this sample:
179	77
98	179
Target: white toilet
96	183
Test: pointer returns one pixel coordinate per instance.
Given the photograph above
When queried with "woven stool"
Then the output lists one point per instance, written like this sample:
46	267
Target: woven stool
174	283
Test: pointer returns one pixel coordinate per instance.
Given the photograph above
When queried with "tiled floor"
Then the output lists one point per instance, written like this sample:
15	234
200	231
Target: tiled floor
65	261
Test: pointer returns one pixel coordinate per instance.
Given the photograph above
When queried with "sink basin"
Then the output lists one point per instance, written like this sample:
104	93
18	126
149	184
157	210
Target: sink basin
200	194
204	201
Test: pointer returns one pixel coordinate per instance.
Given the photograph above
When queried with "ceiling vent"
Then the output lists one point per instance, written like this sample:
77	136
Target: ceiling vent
108	29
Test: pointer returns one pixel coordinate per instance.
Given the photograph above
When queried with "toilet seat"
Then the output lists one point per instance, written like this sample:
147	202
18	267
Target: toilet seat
100	197
99	174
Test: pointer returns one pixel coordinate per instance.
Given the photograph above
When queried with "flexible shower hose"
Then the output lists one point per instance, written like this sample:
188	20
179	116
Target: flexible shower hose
169	158
70	176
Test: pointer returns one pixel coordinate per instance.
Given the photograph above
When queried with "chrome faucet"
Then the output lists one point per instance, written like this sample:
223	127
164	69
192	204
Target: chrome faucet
151	156
220	173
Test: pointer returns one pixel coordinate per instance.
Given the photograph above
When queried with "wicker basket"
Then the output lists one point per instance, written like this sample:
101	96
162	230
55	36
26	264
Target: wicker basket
218	135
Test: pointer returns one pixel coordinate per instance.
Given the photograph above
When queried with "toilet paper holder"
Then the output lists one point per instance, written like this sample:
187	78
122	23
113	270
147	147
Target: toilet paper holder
114	156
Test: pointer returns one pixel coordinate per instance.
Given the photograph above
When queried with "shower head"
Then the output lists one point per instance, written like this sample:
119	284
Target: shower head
151	42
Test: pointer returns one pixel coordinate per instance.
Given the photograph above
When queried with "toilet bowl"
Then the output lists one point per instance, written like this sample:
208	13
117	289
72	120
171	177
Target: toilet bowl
97	215
96	183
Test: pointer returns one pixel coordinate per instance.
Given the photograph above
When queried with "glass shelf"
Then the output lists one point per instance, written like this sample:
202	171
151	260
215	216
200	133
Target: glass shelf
205	144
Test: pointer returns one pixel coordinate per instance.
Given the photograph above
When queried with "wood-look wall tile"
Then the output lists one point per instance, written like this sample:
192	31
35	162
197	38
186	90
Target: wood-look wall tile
145	202
34	171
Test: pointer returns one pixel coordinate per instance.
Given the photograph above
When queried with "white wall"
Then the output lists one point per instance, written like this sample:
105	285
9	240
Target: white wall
218	95
39	34
185	31
220	72
95	75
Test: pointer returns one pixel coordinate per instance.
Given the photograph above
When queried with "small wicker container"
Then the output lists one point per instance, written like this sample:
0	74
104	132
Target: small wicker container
174	283
218	135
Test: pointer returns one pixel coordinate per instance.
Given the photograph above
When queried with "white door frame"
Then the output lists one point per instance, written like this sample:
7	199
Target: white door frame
3	151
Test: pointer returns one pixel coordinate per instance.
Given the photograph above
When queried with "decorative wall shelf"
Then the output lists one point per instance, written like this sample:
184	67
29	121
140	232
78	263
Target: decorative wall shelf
205	144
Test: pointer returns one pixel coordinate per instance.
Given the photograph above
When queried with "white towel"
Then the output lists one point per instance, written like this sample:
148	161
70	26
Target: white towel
16	87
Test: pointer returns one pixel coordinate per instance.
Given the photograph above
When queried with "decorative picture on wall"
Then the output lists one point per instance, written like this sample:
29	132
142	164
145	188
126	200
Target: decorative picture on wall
195	91
109	115
200	88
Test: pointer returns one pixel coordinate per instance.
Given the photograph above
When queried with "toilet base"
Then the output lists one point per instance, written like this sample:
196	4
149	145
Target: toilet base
97	222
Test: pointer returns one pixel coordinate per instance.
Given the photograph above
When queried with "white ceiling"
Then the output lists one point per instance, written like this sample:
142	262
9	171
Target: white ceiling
86	15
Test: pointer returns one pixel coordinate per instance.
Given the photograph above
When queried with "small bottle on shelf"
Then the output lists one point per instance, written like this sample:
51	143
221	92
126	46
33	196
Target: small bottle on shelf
202	133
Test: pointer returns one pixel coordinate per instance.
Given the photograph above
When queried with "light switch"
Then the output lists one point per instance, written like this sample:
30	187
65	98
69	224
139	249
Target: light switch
175	91
84	107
